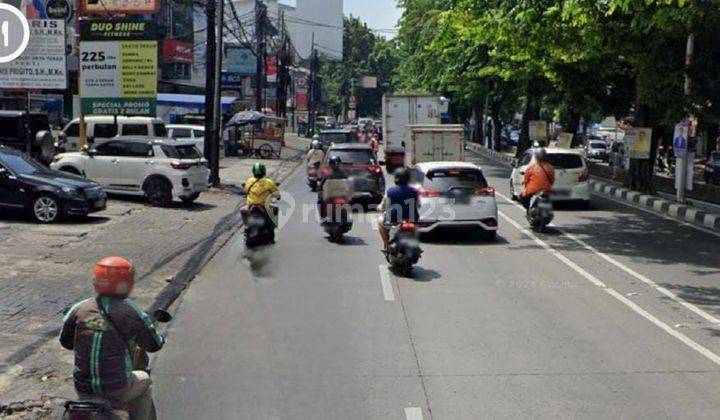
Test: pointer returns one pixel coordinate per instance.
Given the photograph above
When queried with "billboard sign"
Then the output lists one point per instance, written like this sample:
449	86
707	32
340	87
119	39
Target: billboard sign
240	60
117	30
637	142
107	7
174	51
118	77
42	65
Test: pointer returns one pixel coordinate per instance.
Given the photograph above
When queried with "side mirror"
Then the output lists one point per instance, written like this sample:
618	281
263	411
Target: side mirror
162	316
514	163
90	151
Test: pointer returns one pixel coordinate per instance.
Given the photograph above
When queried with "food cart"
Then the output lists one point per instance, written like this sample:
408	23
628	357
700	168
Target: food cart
263	135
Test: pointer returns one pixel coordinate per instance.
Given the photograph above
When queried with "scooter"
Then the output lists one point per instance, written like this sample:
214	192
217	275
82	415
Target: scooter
99	408
259	229
403	250
312	176
337	221
540	212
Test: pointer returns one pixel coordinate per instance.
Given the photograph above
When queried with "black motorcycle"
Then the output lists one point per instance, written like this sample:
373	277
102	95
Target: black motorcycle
337	221
540	212
259	228
403	250
99	408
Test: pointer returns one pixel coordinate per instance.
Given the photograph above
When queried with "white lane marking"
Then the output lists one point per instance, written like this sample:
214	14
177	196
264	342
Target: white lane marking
675	298
612	292
385	277
413	413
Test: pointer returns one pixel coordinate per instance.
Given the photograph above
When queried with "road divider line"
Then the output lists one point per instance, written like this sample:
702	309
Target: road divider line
385	277
672	296
413	413
612	292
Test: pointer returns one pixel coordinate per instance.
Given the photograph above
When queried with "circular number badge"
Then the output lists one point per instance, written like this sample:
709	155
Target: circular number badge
14	33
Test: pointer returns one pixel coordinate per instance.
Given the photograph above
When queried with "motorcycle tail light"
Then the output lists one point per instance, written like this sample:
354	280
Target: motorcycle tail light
325	170
408	226
375	169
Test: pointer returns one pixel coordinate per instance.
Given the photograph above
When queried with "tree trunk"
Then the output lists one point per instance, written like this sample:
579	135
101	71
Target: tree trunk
573	129
478	116
496	125
531	112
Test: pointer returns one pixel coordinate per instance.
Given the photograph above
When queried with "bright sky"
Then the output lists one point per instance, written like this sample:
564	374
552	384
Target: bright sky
379	14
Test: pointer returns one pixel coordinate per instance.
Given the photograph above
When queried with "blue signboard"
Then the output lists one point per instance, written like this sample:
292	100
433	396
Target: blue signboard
240	60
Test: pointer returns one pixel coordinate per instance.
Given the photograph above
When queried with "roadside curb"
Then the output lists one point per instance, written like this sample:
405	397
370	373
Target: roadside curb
654	203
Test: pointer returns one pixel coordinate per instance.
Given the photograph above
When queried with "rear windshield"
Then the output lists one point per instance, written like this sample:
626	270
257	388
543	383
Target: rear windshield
353	156
598	145
337	138
445	179
565	161
181	152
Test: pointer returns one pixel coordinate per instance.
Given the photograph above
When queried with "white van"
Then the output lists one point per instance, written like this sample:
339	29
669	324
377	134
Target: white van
104	127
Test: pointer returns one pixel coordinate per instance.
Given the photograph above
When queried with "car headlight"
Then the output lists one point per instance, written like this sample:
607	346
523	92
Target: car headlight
72	192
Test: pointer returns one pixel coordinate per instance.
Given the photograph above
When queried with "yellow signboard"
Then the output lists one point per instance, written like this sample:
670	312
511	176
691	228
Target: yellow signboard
638	142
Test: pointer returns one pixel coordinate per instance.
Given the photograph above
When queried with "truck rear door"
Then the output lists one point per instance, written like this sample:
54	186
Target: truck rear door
450	146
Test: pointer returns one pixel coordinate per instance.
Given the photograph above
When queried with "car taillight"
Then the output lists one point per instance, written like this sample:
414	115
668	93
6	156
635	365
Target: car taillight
583	176
408	226
427	192
485	192
325	170
375	169
181	165
338	201
490	222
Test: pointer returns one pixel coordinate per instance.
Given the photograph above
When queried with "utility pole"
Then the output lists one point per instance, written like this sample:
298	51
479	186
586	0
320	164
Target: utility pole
312	87
210	54
260	13
217	118
683	162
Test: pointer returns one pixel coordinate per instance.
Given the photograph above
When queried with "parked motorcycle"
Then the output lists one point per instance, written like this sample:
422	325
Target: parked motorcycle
337	221
403	249
540	213
99	408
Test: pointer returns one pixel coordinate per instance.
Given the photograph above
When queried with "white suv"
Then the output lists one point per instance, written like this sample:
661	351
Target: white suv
159	169
571	175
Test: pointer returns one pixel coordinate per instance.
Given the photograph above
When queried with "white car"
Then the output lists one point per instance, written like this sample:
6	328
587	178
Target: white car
188	133
101	128
159	169
571	175
454	194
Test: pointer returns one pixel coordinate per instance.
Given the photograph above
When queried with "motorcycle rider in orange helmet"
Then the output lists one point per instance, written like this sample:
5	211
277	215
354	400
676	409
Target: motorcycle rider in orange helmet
104	332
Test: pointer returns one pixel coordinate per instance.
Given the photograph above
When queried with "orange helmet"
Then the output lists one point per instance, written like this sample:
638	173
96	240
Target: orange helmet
113	276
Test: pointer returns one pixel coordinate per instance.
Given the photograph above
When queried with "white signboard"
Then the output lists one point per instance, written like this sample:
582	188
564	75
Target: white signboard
42	65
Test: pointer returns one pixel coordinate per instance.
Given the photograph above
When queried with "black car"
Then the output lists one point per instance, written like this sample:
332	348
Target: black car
45	194
330	137
712	169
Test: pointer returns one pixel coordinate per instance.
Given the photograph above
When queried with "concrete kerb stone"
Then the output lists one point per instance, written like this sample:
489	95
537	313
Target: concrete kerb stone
655	203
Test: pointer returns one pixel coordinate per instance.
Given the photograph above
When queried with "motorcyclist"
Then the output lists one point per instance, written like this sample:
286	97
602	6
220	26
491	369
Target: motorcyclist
334	183
315	155
539	177
104	333
401	203
259	189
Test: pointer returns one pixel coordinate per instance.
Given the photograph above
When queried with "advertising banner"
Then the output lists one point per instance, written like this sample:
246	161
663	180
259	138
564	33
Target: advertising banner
107	7
271	69
638	142
174	51
118	77
117	30
564	140
538	130
240	60
42	65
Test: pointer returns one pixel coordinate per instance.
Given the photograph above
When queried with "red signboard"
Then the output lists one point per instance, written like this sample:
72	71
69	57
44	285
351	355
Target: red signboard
301	101
174	51
107	7
271	69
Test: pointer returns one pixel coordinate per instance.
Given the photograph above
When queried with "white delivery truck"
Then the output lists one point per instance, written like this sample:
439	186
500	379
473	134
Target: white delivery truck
399	111
435	143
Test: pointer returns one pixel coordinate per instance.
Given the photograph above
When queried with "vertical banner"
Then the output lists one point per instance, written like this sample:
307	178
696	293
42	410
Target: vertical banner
638	142
564	140
538	130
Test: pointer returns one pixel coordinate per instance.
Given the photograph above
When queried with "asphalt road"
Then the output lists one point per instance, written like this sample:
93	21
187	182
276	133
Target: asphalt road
611	314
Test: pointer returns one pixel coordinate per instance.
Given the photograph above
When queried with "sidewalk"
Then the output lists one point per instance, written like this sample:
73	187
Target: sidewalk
659	205
46	268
